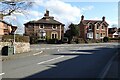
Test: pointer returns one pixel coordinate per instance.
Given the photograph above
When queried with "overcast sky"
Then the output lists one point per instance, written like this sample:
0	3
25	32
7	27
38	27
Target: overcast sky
67	11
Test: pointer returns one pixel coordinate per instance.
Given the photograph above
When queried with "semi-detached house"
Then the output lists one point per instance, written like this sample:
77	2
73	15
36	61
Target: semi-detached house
93	29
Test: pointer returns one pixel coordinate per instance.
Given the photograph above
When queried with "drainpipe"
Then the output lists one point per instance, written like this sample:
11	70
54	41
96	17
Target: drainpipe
60	32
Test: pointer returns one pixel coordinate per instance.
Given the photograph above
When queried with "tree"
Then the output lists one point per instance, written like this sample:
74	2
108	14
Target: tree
72	32
9	7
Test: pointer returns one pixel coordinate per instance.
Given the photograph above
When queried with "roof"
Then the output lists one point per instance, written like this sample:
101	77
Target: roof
112	30
13	29
45	20
85	22
5	22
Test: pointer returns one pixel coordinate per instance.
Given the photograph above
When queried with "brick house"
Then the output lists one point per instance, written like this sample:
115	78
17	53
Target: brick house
45	28
6	28
93	29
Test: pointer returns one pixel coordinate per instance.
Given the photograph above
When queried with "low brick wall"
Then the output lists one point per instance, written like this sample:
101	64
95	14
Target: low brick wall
20	47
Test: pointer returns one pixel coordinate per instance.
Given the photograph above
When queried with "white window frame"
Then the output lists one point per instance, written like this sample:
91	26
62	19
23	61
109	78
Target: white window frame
54	26
40	26
98	27
90	35
103	27
53	33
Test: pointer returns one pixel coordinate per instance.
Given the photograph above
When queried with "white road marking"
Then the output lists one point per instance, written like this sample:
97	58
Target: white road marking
78	52
51	60
58	50
47	48
52	65
42	48
2	74
107	67
38	53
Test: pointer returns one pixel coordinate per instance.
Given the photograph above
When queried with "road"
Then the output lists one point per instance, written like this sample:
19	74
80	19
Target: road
62	61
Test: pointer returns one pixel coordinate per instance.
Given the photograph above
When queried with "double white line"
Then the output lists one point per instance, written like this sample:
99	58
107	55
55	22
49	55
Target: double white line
51	60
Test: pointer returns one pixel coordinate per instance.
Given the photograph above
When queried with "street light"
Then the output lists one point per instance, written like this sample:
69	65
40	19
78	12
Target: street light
14	44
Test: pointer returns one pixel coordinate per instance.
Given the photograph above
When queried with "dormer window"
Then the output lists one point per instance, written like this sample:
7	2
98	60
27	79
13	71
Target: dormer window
54	27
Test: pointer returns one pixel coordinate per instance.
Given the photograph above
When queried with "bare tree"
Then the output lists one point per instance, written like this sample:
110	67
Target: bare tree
8	7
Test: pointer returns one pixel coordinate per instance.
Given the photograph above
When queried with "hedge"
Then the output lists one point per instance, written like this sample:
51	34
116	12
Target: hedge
115	38
18	38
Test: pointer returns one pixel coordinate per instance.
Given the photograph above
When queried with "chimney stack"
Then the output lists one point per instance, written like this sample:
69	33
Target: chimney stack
82	18
47	13
1	16
103	18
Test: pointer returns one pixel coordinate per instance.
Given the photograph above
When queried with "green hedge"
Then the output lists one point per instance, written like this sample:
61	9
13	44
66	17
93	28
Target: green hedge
18	38
115	38
34	39
53	41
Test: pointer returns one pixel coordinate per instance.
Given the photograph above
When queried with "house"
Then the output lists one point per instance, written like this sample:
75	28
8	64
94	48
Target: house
113	32
119	32
45	28
6	28
93	29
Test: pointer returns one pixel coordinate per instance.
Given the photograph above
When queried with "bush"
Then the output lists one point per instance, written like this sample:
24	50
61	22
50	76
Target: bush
65	40
33	40
105	39
115	38
18	38
52	41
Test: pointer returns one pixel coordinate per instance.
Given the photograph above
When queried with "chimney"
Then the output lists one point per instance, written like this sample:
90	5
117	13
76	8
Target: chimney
82	18
103	18
47	13
1	16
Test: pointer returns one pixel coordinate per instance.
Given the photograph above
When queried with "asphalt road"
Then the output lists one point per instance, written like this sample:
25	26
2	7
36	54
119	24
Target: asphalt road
62	61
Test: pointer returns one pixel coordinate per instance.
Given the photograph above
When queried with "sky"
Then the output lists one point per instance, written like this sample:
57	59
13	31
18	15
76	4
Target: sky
68	11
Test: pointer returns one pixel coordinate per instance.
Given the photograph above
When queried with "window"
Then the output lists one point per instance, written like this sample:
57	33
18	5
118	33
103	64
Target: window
42	34
90	35
97	36
98	26
90	27
54	27
54	35
101	34
41	26
103	26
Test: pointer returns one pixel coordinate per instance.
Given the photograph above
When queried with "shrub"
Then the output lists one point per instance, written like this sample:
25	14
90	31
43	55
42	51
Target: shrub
52	41
65	40
105	39
33	40
115	38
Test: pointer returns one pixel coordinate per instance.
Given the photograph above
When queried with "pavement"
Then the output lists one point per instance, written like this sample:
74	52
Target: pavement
19	55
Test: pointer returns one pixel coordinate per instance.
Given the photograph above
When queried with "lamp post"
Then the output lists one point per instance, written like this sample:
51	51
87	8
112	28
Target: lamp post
14	44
